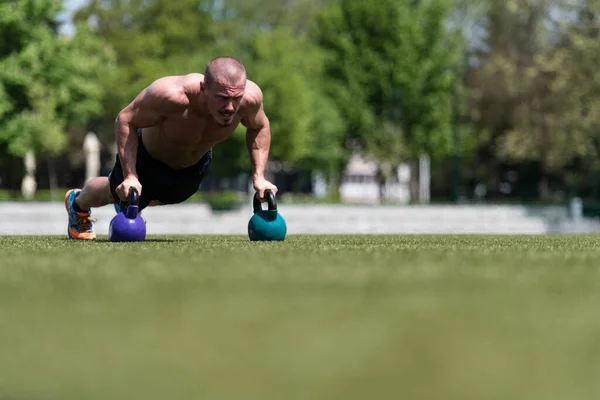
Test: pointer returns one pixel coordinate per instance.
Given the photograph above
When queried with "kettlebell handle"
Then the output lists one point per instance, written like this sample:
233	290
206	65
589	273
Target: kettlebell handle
271	201
134	197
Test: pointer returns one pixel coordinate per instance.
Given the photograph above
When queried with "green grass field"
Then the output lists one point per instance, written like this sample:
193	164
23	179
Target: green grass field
315	317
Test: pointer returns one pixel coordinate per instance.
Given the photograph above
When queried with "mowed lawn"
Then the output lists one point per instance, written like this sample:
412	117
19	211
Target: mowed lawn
314	317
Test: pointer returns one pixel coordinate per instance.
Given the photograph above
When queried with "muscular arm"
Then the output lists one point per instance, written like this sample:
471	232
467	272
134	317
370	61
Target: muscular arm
161	99
258	139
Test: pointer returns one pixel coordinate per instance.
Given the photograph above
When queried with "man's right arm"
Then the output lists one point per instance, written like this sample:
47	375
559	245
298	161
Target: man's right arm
153	104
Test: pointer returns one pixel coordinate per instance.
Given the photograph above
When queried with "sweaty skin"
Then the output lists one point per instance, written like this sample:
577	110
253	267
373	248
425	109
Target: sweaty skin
181	119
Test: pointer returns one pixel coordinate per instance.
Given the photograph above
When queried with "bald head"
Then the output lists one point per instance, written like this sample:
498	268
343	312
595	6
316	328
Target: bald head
224	69
223	88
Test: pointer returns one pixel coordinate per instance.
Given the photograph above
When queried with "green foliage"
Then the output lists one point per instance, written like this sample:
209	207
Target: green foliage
151	39
385	75
302	119
39	195
47	83
535	89
223	201
392	72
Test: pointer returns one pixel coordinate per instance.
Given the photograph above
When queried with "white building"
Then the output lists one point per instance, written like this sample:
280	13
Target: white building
359	183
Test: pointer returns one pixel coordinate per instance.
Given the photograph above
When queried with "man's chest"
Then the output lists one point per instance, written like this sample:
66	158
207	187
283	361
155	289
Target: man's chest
189	129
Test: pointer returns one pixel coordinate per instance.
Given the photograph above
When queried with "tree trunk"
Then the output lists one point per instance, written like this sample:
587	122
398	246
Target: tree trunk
335	180
543	184
381	181
52	178
544	188
414	181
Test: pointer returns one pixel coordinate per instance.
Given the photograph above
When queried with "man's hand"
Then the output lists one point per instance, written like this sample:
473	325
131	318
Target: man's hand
260	185
128	183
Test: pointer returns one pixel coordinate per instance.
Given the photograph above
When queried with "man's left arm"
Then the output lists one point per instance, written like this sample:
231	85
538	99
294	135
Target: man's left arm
258	142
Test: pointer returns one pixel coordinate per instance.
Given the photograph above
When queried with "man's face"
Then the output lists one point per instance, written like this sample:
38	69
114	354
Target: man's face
224	99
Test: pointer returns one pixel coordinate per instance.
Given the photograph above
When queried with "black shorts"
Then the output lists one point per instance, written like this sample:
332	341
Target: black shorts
159	181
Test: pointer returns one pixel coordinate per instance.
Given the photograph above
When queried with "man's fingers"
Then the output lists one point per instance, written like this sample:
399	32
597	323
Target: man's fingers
123	194
124	190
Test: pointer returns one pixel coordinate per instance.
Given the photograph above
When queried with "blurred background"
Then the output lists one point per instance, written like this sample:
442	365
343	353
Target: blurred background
381	102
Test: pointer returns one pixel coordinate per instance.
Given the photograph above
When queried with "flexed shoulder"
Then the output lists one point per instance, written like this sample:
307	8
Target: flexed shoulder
253	96
255	117
162	98
167	94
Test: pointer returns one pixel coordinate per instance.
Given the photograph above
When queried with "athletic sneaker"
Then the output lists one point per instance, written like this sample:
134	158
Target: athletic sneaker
81	225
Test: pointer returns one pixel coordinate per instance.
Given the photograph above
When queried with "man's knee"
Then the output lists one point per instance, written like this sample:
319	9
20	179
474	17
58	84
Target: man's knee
103	190
96	192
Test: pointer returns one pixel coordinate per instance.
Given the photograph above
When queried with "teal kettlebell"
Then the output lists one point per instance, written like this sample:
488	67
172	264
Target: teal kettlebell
266	225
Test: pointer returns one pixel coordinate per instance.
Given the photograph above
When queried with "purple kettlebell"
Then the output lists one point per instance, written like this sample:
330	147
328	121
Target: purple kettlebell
127	225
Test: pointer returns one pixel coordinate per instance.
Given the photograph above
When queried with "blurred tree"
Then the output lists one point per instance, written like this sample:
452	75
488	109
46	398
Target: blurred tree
576	86
534	85
304	122
392	69
151	39
289	66
47	83
247	15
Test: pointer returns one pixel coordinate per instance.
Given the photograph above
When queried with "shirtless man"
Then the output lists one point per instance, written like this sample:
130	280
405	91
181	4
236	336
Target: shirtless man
165	139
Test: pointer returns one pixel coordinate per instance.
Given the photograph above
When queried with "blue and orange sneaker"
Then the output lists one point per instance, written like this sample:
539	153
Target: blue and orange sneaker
81	226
